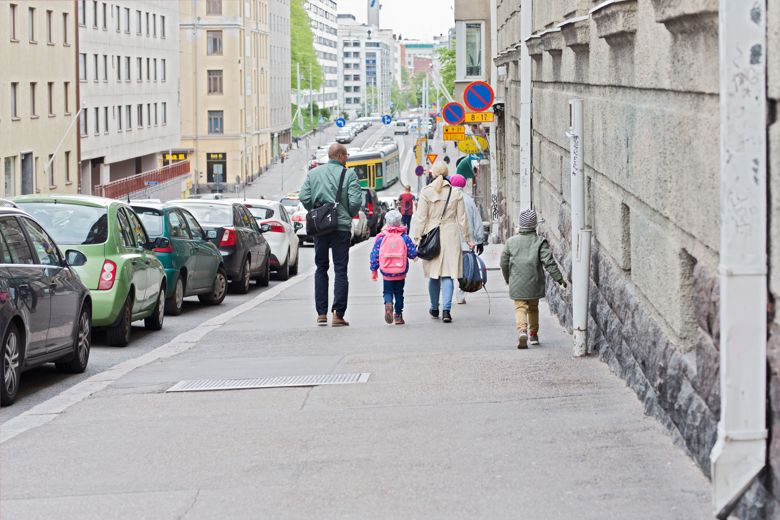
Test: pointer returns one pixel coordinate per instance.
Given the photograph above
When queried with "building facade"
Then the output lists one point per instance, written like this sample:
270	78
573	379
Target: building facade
280	74
39	148
324	28
472	44
648	73
128	87
225	124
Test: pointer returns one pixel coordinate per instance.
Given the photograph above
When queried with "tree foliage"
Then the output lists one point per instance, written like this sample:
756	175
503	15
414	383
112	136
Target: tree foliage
447	69
302	48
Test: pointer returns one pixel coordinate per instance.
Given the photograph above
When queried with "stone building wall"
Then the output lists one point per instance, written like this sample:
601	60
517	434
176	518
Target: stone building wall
649	76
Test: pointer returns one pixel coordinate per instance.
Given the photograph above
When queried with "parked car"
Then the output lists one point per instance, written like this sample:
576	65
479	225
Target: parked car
246	255
45	309
374	210
5	203
290	203
344	137
279	232
400	128
389	203
126	279
298	220
193	265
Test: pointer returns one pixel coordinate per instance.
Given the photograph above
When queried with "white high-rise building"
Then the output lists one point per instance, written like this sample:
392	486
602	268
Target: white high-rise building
128	87
324	27
280	73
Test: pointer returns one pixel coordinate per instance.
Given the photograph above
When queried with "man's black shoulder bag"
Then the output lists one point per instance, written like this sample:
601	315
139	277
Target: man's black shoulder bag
324	219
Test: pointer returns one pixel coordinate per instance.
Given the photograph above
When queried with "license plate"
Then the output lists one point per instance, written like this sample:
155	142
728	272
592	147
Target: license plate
212	233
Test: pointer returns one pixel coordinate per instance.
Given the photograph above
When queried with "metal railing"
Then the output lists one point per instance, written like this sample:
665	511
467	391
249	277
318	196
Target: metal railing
124	187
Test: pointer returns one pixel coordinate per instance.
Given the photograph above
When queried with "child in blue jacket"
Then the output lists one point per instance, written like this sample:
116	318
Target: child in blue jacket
393	261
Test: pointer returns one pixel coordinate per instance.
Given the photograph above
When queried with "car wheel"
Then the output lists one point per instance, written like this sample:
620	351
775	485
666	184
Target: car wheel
241	286
217	295
77	363
12	367
283	273
155	321
294	266
119	334
175	303
265	278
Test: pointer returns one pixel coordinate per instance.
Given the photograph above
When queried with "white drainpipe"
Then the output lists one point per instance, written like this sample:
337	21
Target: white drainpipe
494	238
580	236
740	452
526	85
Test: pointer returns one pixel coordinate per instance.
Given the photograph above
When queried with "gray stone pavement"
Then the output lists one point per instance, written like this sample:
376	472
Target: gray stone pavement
453	423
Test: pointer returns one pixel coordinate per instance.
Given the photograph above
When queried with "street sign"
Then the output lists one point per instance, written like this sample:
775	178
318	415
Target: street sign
478	96
432	157
473	144
453	113
419	171
454	132
454	137
387	119
478	117
341	122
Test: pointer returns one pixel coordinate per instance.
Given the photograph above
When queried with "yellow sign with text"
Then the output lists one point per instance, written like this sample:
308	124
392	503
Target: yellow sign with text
454	129
478	117
473	144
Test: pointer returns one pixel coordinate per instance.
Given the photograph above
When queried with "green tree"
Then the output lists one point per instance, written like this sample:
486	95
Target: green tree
302	48
325	112
398	98
447	70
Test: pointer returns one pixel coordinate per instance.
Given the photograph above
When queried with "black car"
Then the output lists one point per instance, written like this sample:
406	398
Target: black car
374	210
45	309
232	228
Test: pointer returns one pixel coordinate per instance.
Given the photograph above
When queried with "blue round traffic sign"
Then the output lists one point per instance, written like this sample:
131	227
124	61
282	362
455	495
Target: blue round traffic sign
341	122
419	171
453	113
478	96
387	119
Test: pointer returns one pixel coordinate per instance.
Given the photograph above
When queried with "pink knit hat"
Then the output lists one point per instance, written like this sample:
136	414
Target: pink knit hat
459	181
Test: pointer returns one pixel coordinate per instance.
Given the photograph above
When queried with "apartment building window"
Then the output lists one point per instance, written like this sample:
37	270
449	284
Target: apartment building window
66	92
50	97
140	67
140	114
67	167
154	69
119	68
83	12
119	118
105	16
474	49
164	113
127	68
10	176
94	14
147	25
12	20
129	117
162	27
148	115
154	25
49	32
105	67
155	114
50	164
213	7
96	67
148	69
31	24
216	122
33	104
82	67
214	43
138	22
84	123
118	19
163	69
97	120
214	82
127	20
14	100
105	119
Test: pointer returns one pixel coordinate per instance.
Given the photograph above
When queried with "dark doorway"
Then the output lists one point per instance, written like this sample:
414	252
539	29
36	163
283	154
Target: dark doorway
28	174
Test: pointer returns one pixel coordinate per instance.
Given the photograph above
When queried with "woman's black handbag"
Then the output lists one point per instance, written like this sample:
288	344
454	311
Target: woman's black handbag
430	243
325	219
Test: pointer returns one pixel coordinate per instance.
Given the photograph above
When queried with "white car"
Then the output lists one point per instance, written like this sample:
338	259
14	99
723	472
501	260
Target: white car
390	202
298	219
360	229
279	231
401	128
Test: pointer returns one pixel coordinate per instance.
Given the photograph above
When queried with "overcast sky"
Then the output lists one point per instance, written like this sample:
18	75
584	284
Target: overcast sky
421	19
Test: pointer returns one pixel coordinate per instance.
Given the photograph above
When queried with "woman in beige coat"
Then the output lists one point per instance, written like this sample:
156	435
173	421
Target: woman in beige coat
443	270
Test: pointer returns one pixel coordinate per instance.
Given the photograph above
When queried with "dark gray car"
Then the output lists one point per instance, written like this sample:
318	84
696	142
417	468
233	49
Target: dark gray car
232	228
45	309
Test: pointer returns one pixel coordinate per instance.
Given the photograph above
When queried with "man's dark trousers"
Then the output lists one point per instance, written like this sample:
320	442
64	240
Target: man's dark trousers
406	221
338	242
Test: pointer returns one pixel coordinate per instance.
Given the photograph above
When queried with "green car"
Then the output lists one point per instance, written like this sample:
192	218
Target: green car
124	276
193	265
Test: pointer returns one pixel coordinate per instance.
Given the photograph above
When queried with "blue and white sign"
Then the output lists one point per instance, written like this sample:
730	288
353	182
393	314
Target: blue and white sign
387	119
341	122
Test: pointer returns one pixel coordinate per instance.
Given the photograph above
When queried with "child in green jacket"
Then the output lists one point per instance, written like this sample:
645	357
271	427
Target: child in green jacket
522	262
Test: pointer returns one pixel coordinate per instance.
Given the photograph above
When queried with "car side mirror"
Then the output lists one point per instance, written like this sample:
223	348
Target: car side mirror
160	243
75	258
265	228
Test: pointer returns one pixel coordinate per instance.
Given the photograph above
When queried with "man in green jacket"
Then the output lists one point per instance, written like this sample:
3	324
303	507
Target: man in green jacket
320	187
522	261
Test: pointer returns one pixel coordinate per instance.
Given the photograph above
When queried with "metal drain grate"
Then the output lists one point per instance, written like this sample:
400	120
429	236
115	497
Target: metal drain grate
211	385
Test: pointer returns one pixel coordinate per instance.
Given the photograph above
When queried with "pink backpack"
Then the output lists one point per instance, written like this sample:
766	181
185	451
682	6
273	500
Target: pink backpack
392	254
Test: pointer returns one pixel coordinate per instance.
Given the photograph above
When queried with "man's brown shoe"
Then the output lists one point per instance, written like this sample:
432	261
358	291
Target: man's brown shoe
338	321
322	320
399	319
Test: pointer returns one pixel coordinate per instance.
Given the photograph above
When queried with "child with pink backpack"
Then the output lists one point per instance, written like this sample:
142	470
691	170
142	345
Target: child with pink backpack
390	255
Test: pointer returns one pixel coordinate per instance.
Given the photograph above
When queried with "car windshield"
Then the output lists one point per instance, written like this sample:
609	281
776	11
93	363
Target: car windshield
70	224
152	219
261	212
211	214
290	203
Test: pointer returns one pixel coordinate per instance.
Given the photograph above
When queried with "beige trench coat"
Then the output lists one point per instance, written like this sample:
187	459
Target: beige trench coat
454	228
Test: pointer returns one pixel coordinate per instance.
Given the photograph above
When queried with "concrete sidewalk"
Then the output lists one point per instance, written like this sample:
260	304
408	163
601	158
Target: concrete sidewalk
453	423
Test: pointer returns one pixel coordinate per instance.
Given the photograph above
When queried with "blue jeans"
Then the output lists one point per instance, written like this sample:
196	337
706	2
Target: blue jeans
406	221
446	287
394	289
338	243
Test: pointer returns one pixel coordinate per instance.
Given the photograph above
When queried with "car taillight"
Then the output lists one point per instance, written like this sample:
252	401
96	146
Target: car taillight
107	276
276	227
229	238
370	209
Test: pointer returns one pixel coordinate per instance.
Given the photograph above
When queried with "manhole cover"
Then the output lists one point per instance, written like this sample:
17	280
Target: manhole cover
211	385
